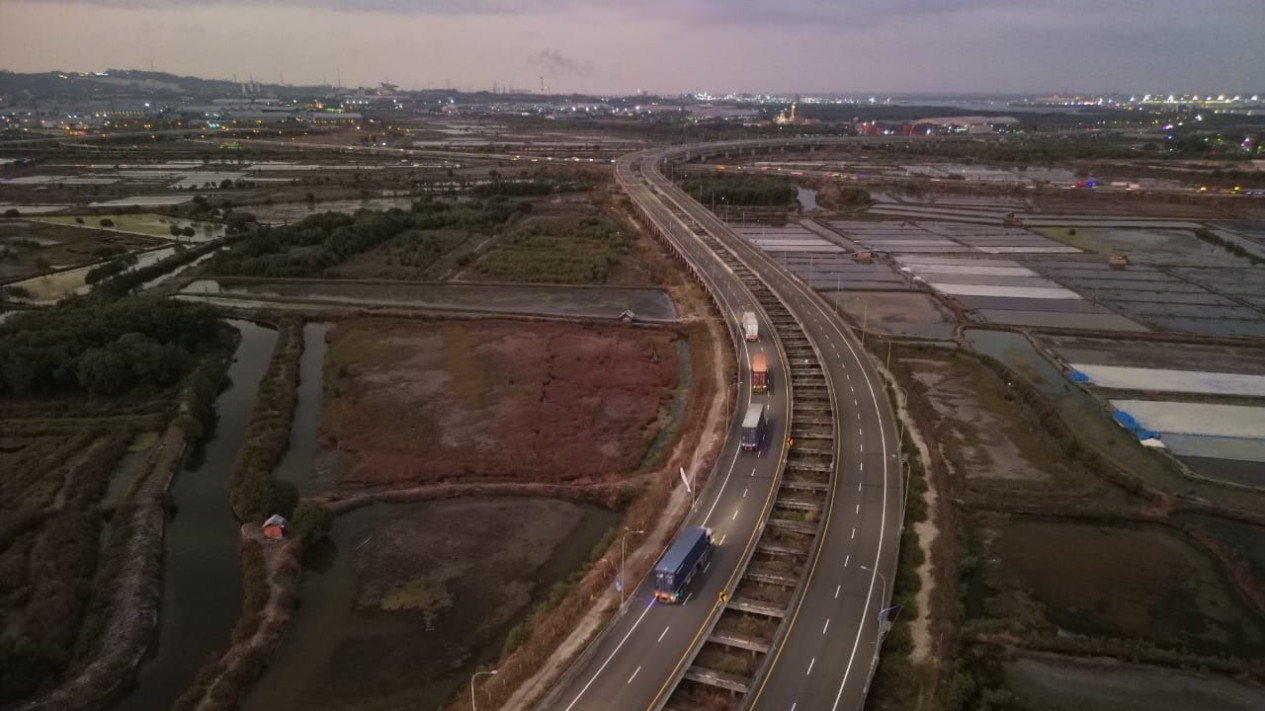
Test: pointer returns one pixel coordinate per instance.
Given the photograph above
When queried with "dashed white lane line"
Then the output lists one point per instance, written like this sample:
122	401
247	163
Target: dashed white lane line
687	597
858	508
810	665
608	659
862	467
854	533
722	538
735	516
837	589
846	559
858	486
664	632
823	629
744	493
634	675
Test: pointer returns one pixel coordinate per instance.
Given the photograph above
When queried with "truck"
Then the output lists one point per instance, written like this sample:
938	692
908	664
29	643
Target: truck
750	326
753	426
759	373
679	563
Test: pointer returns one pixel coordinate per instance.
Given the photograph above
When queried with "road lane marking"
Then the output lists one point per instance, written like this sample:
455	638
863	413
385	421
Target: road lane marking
752	472
861	468
837	589
810	665
688	595
664	632
634	674
735	516
823	629
722	538
858	508
847	558
854	533
608	659
744	493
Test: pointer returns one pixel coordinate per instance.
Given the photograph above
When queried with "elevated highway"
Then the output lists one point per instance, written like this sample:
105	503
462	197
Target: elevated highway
808	531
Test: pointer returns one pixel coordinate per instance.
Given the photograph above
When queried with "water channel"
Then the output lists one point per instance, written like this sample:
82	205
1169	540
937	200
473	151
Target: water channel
202	586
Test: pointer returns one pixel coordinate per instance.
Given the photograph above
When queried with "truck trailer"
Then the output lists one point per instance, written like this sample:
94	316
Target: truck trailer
750	326
680	562
759	373
753	426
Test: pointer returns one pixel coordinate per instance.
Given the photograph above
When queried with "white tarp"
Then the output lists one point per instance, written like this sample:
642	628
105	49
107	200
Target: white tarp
1173	381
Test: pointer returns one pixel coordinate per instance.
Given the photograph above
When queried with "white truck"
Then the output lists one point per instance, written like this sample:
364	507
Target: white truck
750	326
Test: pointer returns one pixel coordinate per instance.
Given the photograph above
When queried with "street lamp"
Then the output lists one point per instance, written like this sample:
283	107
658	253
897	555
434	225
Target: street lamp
473	705
622	542
879	574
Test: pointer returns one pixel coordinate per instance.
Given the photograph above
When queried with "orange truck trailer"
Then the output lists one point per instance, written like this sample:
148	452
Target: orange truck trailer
759	373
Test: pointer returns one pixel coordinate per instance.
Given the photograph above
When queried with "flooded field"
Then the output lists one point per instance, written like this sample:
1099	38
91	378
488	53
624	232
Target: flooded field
1136	582
407	599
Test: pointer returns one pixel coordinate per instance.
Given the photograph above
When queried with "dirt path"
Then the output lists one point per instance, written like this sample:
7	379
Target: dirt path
587	627
927	531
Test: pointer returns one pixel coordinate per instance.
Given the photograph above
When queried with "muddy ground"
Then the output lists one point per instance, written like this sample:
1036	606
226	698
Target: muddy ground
979	429
406	598
413	402
913	314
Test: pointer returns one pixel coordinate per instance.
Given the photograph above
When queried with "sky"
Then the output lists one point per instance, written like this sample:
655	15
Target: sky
661	46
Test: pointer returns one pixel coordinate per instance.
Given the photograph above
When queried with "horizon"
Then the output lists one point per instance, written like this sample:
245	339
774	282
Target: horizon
663	48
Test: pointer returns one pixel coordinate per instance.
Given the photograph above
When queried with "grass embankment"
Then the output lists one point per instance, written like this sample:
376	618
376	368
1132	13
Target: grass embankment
743	190
80	582
585	251
253	491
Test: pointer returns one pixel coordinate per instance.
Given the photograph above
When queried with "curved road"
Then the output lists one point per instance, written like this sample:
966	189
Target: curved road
823	653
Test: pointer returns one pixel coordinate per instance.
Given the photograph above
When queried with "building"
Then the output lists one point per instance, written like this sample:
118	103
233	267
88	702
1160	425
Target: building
275	526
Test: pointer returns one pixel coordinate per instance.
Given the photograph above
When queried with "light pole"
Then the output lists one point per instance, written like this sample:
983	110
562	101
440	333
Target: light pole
474	706
622	542
879	574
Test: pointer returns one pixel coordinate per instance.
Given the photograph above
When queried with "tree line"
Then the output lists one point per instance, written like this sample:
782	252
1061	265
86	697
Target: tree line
746	190
104	347
313	245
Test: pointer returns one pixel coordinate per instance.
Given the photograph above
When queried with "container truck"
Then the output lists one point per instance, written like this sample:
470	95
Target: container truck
750	326
759	373
753	427
680	562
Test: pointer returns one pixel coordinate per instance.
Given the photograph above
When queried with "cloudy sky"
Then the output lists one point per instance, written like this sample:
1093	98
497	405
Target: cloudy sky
868	46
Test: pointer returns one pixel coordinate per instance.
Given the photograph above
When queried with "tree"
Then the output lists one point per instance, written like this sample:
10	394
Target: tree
101	371
106	222
311	521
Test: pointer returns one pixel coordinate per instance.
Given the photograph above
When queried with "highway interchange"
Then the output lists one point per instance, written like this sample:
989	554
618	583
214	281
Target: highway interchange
823	653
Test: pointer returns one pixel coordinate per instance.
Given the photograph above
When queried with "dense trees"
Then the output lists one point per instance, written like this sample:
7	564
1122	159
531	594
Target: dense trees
309	247
104	348
747	190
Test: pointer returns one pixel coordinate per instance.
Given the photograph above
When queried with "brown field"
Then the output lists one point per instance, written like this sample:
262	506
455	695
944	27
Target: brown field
430	402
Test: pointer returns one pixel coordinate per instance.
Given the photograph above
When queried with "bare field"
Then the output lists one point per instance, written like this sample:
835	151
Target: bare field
36	247
431	402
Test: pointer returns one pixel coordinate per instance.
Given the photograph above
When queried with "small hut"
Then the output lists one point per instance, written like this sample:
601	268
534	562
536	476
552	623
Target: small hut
275	526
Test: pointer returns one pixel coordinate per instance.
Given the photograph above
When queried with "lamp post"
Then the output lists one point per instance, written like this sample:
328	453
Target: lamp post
474	706
879	574
623	542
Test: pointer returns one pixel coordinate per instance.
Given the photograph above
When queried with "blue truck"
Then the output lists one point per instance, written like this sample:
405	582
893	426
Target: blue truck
753	426
680	562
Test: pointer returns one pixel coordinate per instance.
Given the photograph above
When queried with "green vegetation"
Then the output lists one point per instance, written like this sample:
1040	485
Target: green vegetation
314	245
104	347
560	252
49	541
254	493
745	190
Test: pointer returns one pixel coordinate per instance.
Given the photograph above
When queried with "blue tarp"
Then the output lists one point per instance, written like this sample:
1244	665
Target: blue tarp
1129	422
1077	377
